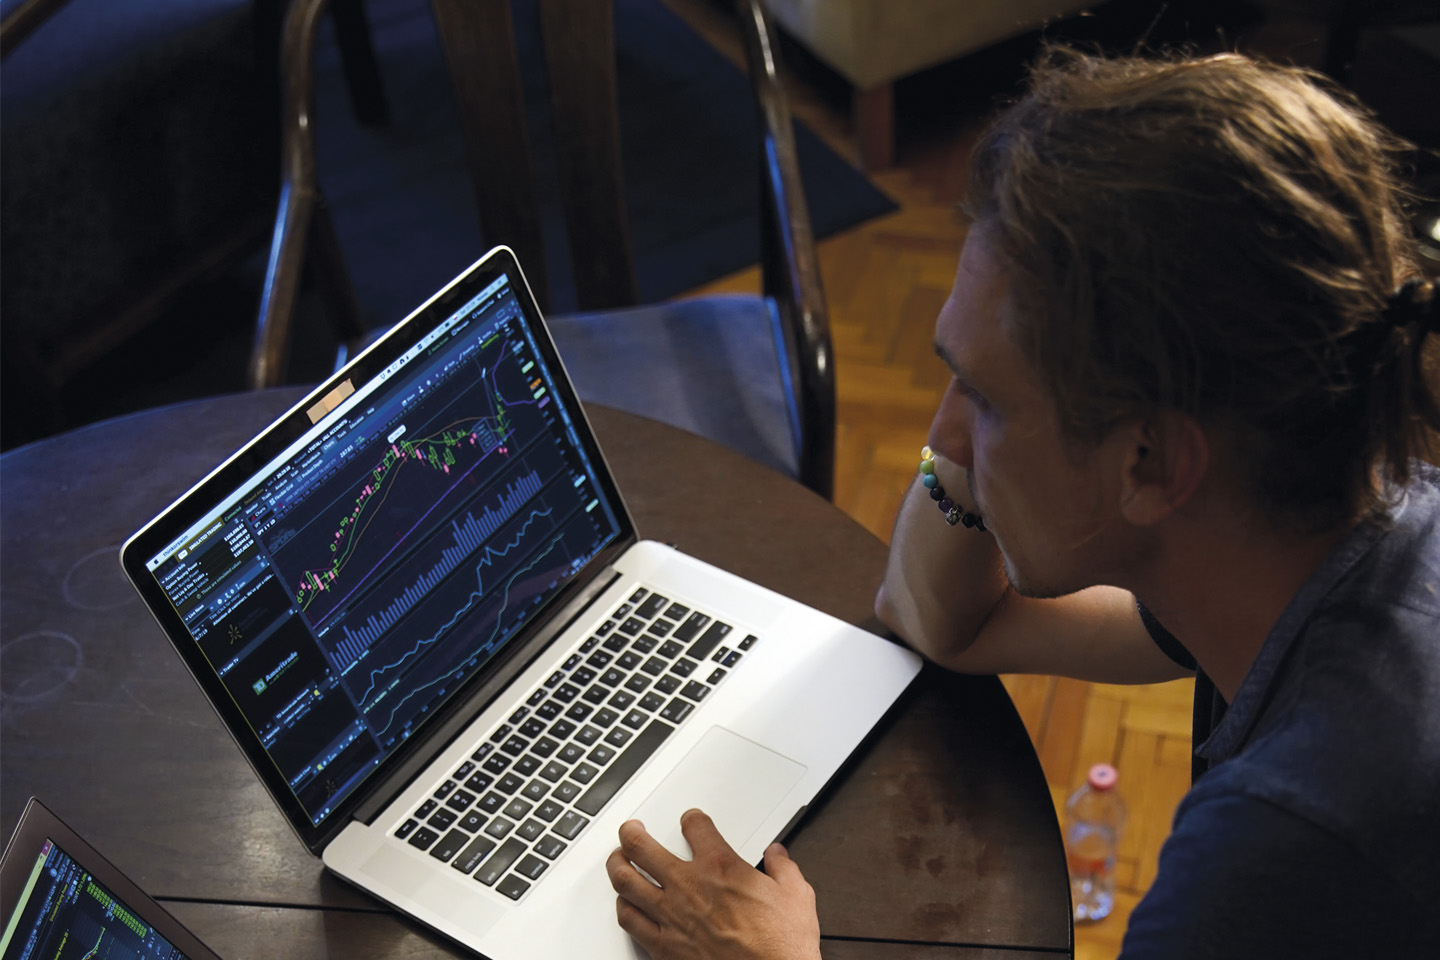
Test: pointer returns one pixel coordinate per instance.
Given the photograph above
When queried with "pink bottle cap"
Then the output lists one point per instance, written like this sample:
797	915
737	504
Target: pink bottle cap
1103	776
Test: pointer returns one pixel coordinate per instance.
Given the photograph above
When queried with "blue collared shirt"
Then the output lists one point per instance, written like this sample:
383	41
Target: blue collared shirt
1316	830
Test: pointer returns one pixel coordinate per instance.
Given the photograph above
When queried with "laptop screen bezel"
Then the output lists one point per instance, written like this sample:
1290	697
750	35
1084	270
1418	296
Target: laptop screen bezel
39	824
275	439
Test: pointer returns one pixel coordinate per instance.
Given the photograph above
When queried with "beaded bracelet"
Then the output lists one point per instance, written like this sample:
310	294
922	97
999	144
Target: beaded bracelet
952	511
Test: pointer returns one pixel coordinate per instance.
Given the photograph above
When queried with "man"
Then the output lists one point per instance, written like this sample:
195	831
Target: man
1187	336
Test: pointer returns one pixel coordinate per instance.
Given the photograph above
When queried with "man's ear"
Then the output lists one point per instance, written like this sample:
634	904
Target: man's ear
1166	457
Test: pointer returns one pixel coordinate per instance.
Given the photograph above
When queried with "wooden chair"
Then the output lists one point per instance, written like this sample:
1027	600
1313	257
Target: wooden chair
756	373
138	151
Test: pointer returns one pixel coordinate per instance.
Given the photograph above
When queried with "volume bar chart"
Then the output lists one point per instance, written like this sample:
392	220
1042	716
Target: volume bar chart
468	536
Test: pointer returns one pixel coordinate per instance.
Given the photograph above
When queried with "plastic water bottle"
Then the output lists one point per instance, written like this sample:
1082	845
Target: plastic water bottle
1094	817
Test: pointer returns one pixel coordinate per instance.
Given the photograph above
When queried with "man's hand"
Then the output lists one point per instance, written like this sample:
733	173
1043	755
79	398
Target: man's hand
716	906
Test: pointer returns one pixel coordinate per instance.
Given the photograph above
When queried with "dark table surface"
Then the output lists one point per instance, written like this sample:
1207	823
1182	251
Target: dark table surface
938	841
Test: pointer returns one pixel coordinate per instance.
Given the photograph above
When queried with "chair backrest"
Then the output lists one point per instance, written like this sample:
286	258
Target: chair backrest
578	39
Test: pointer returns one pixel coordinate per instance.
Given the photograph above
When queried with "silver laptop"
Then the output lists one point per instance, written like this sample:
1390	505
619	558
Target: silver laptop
419	605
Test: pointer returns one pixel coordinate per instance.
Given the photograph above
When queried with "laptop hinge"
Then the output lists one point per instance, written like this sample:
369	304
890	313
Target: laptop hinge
385	790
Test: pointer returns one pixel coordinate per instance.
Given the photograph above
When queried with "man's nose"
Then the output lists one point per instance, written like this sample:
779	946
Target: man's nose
950	430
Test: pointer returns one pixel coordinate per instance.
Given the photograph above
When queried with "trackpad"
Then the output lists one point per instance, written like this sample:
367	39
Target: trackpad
734	780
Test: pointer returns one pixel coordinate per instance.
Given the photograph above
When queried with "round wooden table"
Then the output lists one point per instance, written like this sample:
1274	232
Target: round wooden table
939	840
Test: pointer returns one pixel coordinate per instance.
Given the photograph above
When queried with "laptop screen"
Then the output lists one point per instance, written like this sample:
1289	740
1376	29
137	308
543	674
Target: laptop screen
346	589
63	911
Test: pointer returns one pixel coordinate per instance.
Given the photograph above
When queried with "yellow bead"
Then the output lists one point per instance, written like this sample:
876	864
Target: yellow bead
926	453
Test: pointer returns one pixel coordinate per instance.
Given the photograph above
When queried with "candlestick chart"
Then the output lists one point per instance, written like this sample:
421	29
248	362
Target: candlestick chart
414	554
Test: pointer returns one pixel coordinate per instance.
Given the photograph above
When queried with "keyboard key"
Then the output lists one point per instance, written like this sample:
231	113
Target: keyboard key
683	667
492	802
515	746
720	654
445	789
748	642
622	611
535	698
629	660
676	611
499	827
618	737
471	856
549	709
550	847
667	684
479	781
596	694
535	789
553	771
426	808
652	605
584	773
561	730
693	624
616	643
518	715
694	690
632	626
482	752
544	747
473	821
509	784
465	770
652	701
570	825
517	808
731	660
621	700
513	887
599	659
532	728
566	792
605	628
716	677
638	683
654	666
501	732
574	751
450	846
659	628
459	800
677	710
708	641
527	765
531	866
567	693
423	837
670	649
405	828
548	810
635	719
530	829
499	861
604	717
579	711
601	755
633	758
612	678
572	662
497	763
584	675
638	595
442	819
589	645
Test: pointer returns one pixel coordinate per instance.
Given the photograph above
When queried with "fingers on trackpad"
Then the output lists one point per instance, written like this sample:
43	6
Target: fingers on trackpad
737	782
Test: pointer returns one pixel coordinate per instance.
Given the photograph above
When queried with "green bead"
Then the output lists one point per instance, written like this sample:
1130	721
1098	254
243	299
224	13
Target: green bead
927	466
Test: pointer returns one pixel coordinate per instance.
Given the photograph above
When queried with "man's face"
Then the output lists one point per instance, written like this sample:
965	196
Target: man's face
1054	516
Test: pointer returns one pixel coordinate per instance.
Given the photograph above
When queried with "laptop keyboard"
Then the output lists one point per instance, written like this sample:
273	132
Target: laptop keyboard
535	782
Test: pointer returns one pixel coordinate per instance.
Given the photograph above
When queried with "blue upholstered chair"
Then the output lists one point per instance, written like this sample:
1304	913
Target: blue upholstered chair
753	372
